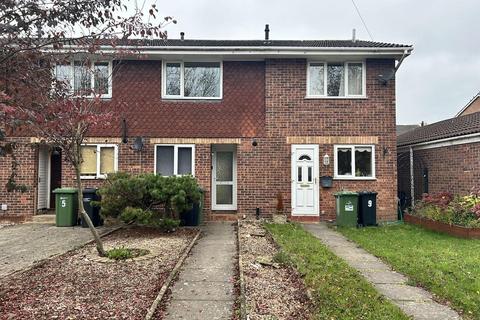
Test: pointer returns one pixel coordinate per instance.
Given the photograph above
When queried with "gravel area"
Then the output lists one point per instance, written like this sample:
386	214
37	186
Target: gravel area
75	286
272	291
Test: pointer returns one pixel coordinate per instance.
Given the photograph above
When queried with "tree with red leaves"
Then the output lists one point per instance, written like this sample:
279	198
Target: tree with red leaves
33	35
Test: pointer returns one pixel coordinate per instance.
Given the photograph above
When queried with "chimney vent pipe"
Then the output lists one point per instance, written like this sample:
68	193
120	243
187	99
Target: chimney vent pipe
267	32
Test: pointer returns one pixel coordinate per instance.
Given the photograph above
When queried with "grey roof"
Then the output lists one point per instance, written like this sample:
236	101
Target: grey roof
453	127
251	43
403	128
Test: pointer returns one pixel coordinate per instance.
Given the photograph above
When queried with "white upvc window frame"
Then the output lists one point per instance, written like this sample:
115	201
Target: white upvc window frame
182	82
352	148
175	157
345	68
98	151
92	78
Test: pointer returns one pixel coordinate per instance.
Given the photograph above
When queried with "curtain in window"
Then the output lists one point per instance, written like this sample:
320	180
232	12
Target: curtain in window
107	160
165	156
89	160
363	161
344	161
336	80
355	79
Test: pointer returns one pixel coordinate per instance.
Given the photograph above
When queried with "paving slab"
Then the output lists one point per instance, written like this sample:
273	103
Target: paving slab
214	310
415	302
204	289
22	245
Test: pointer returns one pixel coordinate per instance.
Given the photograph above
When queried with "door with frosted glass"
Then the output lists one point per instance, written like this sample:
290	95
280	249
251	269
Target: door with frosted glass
305	193
224	188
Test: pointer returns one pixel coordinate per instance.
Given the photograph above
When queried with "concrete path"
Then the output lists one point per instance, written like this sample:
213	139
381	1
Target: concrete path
414	301
22	245
204	289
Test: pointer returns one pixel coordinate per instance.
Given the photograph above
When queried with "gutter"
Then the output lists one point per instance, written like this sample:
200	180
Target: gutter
462	139
406	53
208	50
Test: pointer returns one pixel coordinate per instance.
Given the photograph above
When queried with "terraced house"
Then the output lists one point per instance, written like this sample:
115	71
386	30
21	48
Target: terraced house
252	120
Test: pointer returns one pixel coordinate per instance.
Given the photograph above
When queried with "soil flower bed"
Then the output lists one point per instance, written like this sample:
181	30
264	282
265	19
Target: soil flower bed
76	286
273	289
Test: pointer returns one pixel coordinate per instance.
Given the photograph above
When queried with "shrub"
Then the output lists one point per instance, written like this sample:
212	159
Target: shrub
444	207
149	218
123	253
148	192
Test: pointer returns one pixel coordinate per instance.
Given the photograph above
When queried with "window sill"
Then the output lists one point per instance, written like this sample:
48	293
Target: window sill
92	178
191	98
334	98
355	178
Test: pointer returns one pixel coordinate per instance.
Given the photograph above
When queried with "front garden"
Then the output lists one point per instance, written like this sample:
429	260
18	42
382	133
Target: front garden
139	257
82	285
448	267
337	290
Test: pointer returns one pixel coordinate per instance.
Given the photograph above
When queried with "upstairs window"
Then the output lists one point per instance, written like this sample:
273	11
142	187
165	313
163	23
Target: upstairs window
354	162
335	79
98	161
192	80
85	78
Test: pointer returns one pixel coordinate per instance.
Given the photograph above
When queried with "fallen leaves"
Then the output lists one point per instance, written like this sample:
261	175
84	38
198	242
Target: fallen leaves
273	290
73	286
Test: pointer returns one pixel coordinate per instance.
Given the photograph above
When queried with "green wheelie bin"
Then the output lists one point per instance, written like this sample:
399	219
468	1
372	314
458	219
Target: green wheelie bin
346	203
66	207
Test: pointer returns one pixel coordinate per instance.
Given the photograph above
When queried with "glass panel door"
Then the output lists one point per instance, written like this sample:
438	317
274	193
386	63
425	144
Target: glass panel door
224	178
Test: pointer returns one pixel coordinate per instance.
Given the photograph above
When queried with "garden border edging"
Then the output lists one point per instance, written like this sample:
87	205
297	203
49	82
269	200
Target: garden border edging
173	273
453	230
243	302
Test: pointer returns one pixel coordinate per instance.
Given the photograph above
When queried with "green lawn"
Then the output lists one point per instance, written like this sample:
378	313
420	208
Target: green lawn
447	266
339	291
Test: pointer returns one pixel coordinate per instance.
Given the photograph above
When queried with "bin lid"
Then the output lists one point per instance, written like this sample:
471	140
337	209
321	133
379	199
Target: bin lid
345	193
90	190
361	193
65	190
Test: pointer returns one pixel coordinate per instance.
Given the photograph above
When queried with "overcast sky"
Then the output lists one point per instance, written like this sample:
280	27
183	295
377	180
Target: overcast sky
436	81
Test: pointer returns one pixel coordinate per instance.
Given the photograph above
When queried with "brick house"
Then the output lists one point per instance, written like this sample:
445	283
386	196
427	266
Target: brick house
248	118
442	156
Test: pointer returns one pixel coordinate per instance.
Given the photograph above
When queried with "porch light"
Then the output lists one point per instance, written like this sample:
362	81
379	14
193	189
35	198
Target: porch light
326	160
254	142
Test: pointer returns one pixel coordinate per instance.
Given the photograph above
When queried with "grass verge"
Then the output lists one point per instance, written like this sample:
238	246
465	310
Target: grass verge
449	267
338	291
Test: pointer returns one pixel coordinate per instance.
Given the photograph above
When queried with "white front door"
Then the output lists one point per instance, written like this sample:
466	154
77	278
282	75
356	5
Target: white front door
305	191
224	177
43	197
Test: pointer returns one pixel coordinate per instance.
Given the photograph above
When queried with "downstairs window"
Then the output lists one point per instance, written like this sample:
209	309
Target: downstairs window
98	161
354	161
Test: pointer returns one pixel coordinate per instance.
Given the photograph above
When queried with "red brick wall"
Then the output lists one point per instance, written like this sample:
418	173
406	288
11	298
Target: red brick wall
137	98
19	203
453	168
265	100
290	114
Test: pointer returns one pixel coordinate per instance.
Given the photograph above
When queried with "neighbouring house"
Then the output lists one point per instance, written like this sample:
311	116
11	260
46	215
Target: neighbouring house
442	156
471	107
248	118
403	128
